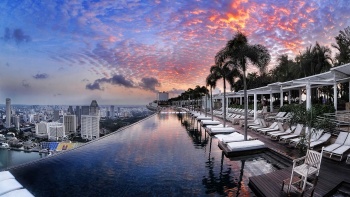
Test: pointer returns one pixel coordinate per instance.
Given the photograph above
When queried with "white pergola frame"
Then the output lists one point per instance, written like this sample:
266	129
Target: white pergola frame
334	76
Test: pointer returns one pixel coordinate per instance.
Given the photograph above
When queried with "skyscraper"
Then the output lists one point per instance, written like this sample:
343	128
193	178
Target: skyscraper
70	123
112	111
56	115
85	110
8	113
70	110
94	109
90	127
78	114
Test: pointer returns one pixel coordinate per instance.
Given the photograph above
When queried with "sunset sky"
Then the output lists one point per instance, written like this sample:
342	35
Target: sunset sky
123	51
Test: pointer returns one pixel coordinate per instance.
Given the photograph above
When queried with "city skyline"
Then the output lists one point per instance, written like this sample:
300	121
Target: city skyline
123	52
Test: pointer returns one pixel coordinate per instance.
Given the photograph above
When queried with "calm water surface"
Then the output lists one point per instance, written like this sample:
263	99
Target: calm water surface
155	157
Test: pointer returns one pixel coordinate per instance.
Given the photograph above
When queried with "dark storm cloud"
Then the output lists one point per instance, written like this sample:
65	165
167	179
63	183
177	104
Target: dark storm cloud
41	76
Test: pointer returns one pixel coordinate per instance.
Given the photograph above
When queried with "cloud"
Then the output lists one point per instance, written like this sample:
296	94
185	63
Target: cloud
25	84
149	83
17	35
41	76
94	86
119	80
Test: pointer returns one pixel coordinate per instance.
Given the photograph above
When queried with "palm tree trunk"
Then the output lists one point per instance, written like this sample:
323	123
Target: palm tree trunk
245	105
211	102
206	104
224	101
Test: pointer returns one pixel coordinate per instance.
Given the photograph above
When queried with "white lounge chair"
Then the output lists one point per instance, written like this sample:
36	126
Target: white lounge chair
278	115
342	149
261	125
338	142
210	122
233	137
245	145
323	139
252	122
217	130
277	134
17	193
297	133
308	131
272	127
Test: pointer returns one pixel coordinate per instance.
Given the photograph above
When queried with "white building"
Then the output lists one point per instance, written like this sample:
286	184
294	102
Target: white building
163	96
53	130
70	123
90	127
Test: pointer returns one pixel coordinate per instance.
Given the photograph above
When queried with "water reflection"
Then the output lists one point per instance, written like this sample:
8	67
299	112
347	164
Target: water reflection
163	151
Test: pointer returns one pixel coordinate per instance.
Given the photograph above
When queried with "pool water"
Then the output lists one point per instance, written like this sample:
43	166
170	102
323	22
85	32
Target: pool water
155	157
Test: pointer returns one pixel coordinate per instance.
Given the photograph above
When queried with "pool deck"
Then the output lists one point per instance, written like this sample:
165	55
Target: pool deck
332	172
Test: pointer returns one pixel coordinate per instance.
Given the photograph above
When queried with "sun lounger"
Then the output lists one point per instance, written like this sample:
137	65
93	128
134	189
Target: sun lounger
199	118
276	135
338	142
252	122
17	193
278	115
297	133
342	149
245	145
214	130
233	137
272	126
9	185
296	141
4	175
323	139
210	122
278	127
262	125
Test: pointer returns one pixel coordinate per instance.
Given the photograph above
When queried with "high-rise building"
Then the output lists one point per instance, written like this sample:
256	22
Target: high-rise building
94	109
111	114
70	123
90	127
56	115
78	114
70	110
85	110
17	121
8	113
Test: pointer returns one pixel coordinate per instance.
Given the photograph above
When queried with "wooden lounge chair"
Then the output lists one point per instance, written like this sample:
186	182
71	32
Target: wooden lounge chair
338	142
304	168
297	133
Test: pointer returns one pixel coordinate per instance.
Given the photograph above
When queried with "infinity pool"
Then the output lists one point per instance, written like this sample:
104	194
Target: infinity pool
155	157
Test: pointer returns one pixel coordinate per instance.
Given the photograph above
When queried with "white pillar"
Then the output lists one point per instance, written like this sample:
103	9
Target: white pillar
289	96
227	104
255	106
335	92
349	91
271	103
222	105
281	96
300	93
240	100
308	96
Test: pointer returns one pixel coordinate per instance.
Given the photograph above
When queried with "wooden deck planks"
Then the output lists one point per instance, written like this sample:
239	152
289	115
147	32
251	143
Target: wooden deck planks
331	174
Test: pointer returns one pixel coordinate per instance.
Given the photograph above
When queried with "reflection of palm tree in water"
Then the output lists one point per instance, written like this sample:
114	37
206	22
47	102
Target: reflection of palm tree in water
217	184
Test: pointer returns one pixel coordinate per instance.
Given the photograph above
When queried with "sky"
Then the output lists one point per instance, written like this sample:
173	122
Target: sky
124	51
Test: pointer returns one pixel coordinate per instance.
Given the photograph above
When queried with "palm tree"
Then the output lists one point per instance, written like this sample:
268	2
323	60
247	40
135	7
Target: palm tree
224	71
211	81
239	52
